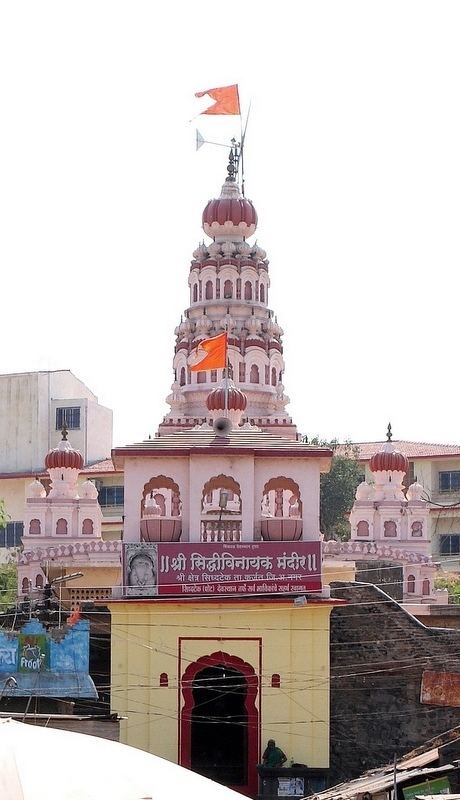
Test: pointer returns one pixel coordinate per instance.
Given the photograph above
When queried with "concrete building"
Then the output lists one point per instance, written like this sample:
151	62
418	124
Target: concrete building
35	406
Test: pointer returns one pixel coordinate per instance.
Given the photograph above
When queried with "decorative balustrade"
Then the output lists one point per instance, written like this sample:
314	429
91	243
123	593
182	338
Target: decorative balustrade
225	530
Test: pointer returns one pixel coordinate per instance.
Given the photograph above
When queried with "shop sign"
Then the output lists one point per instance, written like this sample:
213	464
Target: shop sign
32	652
433	786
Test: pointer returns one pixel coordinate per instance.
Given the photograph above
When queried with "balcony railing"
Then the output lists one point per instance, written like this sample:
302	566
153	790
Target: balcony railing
225	530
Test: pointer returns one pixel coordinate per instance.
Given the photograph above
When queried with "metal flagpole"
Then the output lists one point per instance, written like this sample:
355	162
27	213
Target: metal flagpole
226	372
243	136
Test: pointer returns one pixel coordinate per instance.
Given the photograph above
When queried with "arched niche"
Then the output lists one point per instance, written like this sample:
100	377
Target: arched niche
362	528
161	484
87	527
221	510
61	527
211	494
281	510
35	527
281	498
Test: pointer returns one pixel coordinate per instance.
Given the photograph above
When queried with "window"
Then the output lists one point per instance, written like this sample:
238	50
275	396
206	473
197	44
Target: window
213	376
12	534
426	586
182	376
273	376
449	544
417	528
111	496
70	417
267	373
34	526
362	528
195	292
61	527
242	372
262	293
201	377
411	584
254	374
208	290
449	481
228	290
87	527
389	528
248	290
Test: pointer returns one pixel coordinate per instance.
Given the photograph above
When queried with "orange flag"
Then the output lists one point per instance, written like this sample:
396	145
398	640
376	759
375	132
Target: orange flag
210	354
226	97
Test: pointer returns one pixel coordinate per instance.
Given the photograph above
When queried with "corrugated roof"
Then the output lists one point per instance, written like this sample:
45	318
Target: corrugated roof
410	449
378	782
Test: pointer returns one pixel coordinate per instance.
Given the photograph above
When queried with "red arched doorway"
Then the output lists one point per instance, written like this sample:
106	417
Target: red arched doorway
220	721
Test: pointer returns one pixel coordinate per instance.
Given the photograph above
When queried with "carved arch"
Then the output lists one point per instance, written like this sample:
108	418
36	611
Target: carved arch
220	482
162	482
217	659
280	485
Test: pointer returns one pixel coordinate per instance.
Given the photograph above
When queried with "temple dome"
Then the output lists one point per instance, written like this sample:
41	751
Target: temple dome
64	457
237	400
231	213
389	459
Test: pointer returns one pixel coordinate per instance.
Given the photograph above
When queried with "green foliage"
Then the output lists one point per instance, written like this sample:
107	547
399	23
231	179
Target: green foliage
8	572
338	488
4	517
8	585
452	584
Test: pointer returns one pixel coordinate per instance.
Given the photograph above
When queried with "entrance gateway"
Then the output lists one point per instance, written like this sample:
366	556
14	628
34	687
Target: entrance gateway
220	721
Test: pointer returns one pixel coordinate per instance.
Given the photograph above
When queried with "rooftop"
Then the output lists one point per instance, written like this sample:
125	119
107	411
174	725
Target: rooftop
409	449
204	441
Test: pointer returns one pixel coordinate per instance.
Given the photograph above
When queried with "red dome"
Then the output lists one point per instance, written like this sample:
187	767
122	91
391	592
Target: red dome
390	460
237	400
226	209
61	458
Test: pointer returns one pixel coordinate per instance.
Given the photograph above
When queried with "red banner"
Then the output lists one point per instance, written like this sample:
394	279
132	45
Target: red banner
221	569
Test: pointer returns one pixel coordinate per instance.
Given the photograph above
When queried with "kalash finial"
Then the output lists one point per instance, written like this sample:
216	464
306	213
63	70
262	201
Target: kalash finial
64	432
389	433
233	160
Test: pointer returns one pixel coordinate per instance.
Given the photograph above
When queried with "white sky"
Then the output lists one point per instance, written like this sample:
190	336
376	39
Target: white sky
352	161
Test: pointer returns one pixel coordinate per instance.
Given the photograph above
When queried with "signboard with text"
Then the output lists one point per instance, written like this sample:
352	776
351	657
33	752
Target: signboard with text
221	568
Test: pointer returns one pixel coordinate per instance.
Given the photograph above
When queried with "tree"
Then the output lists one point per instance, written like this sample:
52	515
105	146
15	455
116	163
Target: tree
4	517
8	572
338	488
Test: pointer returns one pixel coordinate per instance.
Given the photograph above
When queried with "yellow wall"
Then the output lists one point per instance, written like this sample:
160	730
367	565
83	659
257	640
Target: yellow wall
295	644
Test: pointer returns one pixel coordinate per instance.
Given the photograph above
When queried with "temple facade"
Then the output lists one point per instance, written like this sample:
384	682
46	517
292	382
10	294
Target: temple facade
221	614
